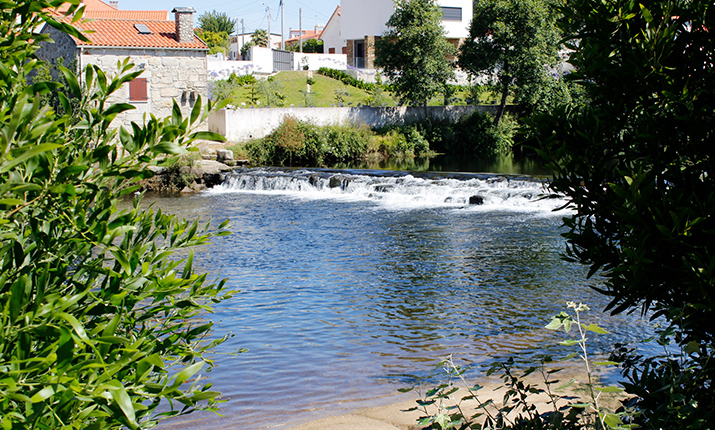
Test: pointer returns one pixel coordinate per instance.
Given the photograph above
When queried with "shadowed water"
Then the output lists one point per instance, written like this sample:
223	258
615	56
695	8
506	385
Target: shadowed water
353	284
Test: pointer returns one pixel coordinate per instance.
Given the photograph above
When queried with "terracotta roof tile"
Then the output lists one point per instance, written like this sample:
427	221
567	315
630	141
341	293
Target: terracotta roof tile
122	33
142	15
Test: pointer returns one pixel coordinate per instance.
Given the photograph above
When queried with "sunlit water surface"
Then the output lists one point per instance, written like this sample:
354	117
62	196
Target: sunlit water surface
352	284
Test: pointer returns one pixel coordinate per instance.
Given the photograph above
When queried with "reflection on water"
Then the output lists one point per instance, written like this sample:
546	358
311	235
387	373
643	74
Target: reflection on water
343	301
442	163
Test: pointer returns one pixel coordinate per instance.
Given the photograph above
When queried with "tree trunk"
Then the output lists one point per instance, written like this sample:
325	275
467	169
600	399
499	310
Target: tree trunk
504	94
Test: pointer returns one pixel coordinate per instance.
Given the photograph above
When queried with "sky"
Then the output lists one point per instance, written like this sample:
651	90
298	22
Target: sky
253	12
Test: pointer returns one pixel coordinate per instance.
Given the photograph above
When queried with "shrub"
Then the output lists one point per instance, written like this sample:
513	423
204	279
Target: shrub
99	313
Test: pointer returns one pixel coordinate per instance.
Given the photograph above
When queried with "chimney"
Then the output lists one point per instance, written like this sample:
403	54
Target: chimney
184	20
114	3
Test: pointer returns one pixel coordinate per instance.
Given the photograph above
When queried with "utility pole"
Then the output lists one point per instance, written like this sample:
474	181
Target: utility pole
300	28
283	45
268	9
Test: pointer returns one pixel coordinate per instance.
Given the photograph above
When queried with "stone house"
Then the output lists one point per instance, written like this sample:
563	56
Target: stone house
364	21
172	58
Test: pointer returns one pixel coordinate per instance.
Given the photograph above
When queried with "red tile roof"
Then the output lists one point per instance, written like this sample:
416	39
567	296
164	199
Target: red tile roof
122	33
141	15
309	34
89	5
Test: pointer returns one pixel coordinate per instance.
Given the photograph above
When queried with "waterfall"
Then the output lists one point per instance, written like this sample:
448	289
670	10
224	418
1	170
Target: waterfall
399	190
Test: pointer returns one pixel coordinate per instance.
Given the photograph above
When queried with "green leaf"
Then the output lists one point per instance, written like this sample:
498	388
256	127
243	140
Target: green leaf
611	389
208	135
594	328
43	394
187	373
31	152
168	148
611	420
78	328
121	397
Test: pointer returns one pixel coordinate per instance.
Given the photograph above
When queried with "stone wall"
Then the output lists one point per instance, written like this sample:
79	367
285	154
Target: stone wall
239	125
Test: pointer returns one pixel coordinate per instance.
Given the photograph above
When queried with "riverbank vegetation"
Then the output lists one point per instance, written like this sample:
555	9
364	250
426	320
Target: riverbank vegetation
299	143
98	305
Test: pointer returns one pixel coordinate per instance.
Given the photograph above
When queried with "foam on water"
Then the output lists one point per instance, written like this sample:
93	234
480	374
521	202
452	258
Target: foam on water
400	190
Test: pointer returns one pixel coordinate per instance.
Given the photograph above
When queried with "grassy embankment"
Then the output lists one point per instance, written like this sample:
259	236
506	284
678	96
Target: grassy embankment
324	92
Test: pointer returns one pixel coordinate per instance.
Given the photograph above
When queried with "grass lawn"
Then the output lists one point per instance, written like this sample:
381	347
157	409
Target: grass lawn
325	92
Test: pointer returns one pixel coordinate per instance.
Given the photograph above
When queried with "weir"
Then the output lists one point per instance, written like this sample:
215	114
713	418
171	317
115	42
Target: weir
400	190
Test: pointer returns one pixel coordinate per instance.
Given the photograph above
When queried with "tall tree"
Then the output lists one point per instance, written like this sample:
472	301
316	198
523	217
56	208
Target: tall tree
413	52
638	167
217	22
516	43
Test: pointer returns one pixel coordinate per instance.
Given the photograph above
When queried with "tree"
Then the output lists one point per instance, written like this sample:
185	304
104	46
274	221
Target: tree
516	42
217	42
636	165
309	46
413	52
98	304
217	22
258	38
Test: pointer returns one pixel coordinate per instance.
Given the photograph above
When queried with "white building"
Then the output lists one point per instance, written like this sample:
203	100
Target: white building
362	21
333	41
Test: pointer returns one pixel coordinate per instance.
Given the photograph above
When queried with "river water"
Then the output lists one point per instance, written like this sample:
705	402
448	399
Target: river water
354	283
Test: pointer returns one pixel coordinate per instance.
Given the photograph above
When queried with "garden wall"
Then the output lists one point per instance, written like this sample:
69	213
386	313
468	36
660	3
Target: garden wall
239	125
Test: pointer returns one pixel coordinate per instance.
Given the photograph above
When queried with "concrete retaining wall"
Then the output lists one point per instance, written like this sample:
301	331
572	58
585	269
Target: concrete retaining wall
242	124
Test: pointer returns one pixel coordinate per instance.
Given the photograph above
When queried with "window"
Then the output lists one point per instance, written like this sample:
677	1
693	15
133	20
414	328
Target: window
138	90
451	13
331	50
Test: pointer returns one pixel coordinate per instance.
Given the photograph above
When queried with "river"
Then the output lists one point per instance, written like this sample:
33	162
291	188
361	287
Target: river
354	283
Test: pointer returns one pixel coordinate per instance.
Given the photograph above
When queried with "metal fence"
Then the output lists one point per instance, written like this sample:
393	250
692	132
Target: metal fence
282	60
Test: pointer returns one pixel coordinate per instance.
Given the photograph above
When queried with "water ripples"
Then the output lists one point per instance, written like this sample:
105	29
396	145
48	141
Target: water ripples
341	301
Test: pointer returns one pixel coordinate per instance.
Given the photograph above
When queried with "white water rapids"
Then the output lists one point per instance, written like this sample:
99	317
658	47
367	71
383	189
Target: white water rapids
400	190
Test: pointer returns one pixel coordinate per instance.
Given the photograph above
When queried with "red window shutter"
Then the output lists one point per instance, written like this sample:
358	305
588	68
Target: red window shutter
138	90
345	49
331	50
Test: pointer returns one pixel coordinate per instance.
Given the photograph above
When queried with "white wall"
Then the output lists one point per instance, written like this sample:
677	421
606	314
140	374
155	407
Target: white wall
458	29
362	18
262	63
316	61
242	124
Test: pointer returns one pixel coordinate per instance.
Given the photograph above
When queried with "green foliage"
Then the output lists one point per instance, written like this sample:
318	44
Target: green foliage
310	46
346	79
218	42
241	80
52	72
99	304
516	42
216	22
636	165
272	91
472	136
413	52
260	38
564	409
300	143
